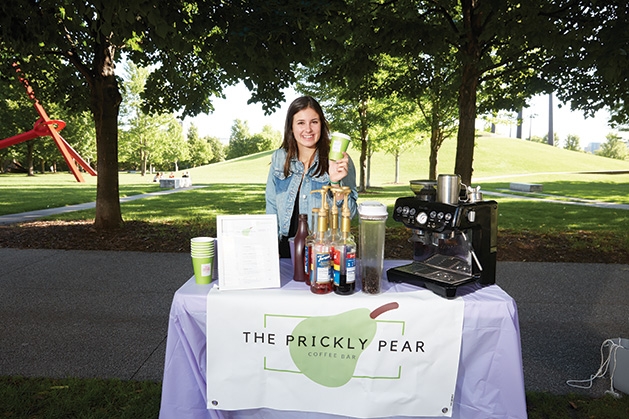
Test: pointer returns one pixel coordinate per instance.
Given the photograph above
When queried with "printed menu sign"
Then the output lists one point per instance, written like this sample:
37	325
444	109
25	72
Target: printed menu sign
247	252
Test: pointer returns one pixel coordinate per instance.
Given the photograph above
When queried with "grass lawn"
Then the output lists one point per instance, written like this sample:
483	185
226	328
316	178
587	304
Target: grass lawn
106	399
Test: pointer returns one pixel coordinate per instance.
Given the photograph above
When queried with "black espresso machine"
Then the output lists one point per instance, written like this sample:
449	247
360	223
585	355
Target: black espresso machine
453	243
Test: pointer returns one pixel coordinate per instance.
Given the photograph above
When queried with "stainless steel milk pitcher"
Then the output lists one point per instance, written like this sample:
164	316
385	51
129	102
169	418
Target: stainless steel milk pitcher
448	189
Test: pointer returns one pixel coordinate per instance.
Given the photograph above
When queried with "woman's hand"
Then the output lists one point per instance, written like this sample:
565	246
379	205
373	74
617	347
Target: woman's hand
337	170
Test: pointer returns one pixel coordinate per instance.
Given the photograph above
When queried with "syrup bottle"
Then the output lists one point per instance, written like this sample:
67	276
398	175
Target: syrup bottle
299	267
321	280
344	256
310	243
334	216
333	222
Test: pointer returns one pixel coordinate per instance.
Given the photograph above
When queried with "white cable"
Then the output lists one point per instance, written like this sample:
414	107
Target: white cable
602	370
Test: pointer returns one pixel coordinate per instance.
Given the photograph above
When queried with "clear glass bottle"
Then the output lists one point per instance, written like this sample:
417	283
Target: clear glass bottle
344	254
321	280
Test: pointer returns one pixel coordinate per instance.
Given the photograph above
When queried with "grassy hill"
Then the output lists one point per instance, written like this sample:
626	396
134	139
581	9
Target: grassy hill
496	159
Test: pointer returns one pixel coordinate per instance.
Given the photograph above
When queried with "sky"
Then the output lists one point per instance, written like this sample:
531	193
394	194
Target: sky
535	118
226	111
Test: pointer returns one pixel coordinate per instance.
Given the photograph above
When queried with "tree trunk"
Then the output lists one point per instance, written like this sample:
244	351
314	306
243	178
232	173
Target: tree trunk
471	53
551	133
397	167
436	140
364	133
368	177
145	158
29	158
518	132
106	98
434	152
362	164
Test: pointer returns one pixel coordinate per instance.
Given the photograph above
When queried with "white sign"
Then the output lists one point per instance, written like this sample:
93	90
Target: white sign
247	252
362	356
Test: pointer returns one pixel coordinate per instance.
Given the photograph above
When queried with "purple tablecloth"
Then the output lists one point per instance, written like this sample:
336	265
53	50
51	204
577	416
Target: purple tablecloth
490	380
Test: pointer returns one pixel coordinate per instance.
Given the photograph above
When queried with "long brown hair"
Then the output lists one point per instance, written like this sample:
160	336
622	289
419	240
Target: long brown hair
290	144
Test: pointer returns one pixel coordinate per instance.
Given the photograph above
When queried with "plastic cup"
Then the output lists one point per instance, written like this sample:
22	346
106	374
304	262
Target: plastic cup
338	145
372	228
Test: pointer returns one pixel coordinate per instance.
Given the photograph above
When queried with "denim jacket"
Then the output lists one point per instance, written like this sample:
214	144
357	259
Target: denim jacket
281	191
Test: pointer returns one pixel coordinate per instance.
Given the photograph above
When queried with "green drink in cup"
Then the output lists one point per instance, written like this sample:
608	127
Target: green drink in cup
338	145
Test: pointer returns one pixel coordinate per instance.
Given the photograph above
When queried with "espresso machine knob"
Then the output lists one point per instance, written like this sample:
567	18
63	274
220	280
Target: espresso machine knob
422	217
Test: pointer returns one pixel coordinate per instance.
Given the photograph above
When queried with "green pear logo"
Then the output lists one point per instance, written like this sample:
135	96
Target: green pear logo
326	349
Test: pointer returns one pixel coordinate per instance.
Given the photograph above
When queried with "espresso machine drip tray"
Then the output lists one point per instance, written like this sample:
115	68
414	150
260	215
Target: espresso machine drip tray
440	274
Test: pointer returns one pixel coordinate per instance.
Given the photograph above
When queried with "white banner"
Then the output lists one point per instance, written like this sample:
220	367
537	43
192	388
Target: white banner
363	356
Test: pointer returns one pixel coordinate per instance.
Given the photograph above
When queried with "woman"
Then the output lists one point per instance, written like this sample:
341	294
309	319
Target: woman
301	165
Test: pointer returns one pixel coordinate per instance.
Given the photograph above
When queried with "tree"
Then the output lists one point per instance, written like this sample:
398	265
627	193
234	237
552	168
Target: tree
242	143
144	140
175	145
197	48
572	143
239	144
268	139
200	149
591	61
554	143
614	148
397	137
496	48
217	148
430	82
349	98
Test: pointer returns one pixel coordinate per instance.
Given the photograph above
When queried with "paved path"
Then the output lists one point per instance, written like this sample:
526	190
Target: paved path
555	199
34	215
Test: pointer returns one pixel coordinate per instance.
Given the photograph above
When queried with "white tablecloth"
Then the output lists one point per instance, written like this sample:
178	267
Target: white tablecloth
490	379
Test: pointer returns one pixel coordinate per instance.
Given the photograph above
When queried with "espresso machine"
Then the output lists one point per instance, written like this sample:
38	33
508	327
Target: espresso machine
454	236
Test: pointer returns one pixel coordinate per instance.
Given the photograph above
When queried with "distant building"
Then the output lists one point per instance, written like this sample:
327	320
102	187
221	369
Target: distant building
592	147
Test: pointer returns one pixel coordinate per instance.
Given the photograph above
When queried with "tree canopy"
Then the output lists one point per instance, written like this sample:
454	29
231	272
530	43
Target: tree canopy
497	53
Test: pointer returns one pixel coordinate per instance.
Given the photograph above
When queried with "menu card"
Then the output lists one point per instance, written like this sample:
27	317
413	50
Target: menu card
247	252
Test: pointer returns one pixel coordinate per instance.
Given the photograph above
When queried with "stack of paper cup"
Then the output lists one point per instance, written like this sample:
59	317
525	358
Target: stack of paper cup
202	251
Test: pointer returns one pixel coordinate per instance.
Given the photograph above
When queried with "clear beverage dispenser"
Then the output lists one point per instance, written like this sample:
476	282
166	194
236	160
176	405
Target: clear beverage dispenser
372	223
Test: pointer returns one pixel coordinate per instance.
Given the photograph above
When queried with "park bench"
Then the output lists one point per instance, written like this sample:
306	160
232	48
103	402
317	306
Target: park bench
174	183
525	187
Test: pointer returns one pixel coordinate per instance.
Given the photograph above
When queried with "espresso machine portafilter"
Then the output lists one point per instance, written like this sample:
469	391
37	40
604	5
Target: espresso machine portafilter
454	243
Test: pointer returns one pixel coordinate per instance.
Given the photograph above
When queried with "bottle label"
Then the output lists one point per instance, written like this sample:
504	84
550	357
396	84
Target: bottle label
307	260
350	266
336	262
311	268
323	268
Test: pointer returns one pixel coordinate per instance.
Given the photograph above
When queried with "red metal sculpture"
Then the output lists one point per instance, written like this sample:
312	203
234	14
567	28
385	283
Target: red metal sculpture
45	126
